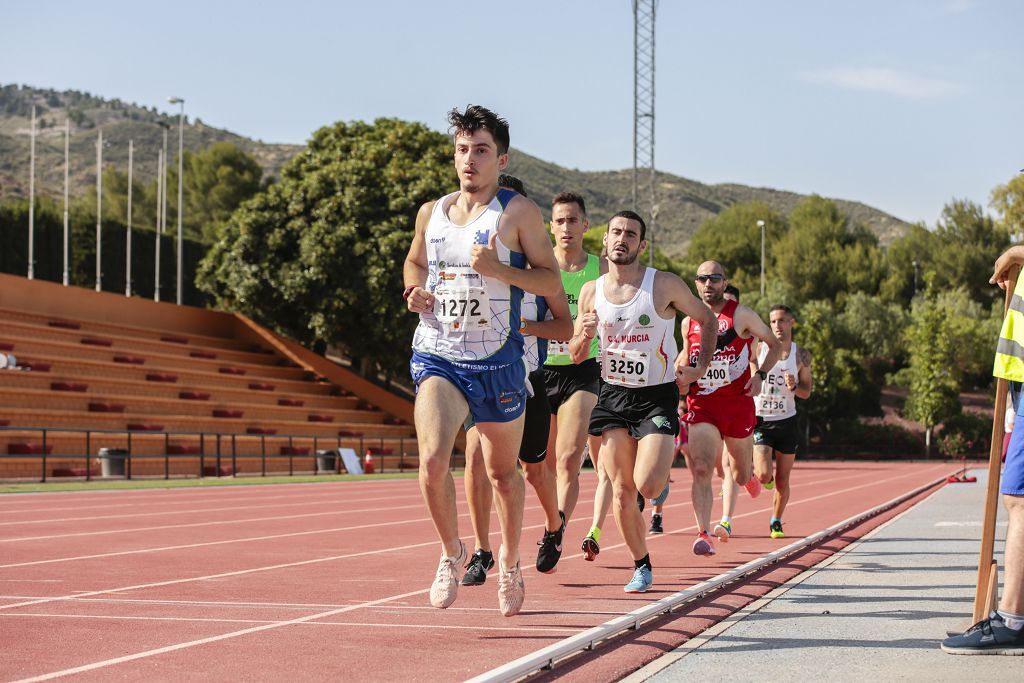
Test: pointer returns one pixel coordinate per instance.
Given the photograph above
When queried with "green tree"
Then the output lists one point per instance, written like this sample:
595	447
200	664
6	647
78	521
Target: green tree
216	182
934	390
969	242
907	260
319	254
1008	201
733	238
821	257
875	329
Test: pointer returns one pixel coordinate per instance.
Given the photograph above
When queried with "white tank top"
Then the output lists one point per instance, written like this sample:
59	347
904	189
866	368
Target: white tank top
638	347
776	401
476	319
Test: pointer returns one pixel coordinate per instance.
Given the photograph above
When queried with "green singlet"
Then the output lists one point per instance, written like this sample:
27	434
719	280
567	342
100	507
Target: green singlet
558	351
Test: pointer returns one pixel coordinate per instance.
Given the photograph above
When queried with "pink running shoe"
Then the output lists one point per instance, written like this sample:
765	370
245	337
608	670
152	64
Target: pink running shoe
753	487
704	546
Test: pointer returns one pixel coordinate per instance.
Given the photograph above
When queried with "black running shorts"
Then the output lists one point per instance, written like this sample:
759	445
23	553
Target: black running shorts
536	425
563	381
642	411
781	435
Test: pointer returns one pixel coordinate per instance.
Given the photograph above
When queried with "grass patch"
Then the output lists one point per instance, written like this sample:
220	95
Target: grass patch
207	482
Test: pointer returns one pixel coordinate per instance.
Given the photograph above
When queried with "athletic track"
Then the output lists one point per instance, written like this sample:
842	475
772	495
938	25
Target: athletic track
329	581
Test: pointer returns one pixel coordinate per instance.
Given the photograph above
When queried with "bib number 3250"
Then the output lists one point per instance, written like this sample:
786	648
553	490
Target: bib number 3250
625	367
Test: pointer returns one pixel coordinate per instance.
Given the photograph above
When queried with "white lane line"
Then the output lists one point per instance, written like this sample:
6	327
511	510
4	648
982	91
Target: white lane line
216	522
359	624
197	511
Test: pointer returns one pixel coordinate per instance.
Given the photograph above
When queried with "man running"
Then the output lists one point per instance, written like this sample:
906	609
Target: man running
465	274
776	431
720	406
632	309
536	330
572	388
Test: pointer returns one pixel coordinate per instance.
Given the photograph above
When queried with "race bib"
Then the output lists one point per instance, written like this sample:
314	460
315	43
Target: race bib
626	367
557	348
460	302
717	375
771	404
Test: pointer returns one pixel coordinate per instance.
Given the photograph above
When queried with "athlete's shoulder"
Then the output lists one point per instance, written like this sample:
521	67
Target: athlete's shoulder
425	212
803	356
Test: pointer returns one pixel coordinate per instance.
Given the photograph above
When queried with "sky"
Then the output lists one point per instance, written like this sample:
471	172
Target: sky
901	104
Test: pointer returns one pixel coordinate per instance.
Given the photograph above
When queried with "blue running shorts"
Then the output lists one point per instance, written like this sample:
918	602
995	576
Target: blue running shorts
494	394
1013	472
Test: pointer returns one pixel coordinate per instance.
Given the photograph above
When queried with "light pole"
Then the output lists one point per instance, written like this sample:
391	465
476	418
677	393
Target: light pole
67	137
160	182
128	238
181	145
760	224
99	209
32	199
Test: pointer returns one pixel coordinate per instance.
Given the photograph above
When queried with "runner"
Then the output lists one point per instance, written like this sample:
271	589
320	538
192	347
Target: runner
572	388
777	430
720	407
532	450
602	500
465	274
632	309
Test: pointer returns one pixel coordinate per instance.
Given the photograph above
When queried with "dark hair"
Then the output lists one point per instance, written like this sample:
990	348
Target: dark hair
569	198
512	183
632	216
731	289
480	118
784	308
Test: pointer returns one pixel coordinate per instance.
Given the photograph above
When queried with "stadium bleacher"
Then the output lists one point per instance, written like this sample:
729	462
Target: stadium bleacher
184	390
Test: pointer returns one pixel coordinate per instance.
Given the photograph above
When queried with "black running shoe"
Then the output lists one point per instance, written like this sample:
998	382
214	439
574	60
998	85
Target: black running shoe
656	527
640	501
988	637
550	548
479	564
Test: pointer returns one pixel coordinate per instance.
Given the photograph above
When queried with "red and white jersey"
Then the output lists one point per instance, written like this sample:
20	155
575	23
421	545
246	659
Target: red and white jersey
729	370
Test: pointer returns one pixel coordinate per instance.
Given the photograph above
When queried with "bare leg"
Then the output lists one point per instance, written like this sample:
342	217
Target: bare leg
763	463
540	478
478	491
619	456
704	444
500	442
603	494
1013	559
738	461
570	435
783	469
439	413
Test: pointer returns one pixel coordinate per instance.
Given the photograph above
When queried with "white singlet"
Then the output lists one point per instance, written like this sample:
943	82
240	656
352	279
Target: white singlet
776	401
638	347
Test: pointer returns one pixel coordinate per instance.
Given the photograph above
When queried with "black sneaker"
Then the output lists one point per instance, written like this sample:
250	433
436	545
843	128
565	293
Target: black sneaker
656	527
988	637
775	530
640	501
479	564
550	548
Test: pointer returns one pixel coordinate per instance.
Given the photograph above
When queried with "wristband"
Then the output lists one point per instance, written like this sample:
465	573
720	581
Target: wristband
408	291
762	374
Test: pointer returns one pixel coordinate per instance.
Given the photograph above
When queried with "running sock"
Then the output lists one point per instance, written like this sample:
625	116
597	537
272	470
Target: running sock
776	519
1012	621
656	515
727	519
644	561
595	533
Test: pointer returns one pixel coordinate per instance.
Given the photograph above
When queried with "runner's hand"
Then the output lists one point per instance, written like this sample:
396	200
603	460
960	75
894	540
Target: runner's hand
420	301
1001	270
753	385
590	321
686	374
484	259
790	381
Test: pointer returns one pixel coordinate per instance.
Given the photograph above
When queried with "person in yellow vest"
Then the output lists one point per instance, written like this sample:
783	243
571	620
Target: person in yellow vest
1002	632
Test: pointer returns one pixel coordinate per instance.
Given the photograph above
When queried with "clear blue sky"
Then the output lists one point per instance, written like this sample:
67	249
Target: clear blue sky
901	104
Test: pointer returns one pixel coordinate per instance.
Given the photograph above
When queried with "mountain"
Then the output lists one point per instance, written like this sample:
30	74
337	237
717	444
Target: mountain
683	204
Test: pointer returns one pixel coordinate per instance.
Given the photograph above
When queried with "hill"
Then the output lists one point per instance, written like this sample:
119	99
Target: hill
684	204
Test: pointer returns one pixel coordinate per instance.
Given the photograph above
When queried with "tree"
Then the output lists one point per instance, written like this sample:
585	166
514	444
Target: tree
822	257
934	391
216	182
875	329
733	238
907	260
1008	201
969	242
318	255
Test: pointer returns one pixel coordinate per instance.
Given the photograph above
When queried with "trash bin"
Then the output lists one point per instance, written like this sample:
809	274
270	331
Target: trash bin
326	461
112	461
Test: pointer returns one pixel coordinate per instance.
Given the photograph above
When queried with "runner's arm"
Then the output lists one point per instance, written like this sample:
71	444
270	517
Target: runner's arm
414	271
559	327
683	300
747	324
586	324
542	277
805	383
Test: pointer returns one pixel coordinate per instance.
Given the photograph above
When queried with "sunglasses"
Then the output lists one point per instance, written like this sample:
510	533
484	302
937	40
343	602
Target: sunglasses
714	278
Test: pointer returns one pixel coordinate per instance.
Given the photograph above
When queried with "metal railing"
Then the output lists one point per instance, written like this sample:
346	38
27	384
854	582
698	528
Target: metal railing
216	450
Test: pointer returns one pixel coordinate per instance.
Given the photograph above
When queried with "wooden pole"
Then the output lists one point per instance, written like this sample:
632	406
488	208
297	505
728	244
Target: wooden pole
982	599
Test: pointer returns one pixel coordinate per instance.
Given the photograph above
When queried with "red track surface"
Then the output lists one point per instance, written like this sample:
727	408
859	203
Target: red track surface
318	581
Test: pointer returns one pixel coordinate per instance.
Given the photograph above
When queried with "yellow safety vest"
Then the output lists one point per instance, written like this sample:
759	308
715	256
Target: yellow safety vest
1009	362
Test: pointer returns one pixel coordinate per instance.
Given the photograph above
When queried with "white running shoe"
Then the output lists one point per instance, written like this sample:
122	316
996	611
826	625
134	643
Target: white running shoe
511	591
446	582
